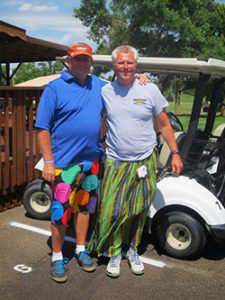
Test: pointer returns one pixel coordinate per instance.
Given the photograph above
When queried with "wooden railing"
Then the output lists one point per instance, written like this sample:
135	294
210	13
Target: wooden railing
19	148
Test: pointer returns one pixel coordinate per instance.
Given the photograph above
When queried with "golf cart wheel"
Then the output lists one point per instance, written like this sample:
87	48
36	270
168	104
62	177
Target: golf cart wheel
37	199
180	235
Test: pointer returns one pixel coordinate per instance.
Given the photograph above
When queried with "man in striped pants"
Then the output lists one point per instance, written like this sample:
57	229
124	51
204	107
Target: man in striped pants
129	184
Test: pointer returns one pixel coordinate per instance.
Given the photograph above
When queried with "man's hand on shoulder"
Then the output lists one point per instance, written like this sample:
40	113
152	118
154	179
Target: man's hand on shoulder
143	79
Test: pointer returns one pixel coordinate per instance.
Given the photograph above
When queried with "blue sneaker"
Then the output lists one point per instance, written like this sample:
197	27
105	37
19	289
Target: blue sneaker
57	270
84	261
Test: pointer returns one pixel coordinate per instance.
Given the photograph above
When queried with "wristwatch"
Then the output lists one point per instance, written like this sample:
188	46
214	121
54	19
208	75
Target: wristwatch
175	152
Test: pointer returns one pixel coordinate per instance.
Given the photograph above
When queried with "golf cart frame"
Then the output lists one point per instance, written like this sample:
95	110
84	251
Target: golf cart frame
189	208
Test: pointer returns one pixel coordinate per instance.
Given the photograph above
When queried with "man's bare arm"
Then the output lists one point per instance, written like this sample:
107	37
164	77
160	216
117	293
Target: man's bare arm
44	140
166	130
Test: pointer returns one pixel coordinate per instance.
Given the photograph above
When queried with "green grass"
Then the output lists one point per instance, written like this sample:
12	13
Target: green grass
186	103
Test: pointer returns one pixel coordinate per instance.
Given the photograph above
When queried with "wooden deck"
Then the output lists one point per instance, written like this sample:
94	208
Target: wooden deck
19	149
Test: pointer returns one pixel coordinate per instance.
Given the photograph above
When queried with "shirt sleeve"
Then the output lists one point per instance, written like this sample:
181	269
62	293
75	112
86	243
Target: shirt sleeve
159	100
46	109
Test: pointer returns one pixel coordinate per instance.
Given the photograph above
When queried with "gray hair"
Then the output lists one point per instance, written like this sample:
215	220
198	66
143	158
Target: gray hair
126	49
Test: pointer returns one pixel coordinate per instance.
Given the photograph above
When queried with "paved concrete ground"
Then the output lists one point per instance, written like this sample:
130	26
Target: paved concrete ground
25	261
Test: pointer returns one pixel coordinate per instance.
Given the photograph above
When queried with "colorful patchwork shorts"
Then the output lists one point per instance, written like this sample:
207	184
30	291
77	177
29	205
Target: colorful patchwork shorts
75	189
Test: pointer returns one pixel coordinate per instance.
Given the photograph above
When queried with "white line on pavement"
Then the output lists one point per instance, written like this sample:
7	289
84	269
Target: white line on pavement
144	259
152	262
40	231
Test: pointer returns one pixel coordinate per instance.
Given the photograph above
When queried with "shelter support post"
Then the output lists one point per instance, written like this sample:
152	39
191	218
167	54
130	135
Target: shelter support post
0	74
8	74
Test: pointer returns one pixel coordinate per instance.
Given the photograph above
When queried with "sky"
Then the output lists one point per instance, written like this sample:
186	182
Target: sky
47	20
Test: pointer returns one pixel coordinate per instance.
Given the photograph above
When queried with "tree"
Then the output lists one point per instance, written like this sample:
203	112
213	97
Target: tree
156	28
191	28
2	75
32	70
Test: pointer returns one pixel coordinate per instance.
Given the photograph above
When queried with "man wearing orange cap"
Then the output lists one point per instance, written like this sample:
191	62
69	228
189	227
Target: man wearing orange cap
69	121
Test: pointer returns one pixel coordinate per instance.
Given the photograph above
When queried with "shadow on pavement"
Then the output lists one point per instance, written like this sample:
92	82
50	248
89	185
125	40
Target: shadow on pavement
214	251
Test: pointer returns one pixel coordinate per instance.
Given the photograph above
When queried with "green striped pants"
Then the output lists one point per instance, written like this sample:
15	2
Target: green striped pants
123	204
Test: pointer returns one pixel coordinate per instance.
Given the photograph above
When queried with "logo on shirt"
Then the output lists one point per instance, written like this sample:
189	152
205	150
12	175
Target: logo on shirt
139	101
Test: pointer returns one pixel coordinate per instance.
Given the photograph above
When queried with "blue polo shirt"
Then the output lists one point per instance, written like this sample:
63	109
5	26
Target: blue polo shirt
72	114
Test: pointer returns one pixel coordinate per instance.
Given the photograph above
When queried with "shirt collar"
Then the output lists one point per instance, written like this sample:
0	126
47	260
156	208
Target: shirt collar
65	75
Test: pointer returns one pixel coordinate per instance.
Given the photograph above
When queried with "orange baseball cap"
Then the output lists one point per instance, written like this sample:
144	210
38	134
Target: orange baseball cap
79	49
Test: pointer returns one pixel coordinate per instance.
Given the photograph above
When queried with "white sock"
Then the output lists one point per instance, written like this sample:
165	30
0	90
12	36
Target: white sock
57	256
79	248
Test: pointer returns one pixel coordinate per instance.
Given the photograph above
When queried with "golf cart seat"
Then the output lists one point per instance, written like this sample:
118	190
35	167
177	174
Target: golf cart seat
219	137
219	132
165	153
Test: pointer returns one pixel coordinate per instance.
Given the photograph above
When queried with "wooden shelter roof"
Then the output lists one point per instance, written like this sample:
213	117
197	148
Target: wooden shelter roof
17	47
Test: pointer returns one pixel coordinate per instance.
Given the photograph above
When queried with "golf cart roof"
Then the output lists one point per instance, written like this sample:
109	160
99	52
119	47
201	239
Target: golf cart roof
166	65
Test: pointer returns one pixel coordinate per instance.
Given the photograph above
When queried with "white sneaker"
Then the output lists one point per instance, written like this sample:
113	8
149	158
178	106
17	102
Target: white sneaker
113	267
136	265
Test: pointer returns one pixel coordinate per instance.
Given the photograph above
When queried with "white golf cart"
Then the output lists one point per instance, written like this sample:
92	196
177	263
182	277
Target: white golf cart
189	208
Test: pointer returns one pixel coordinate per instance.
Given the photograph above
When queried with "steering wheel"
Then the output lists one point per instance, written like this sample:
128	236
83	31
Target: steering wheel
175	122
